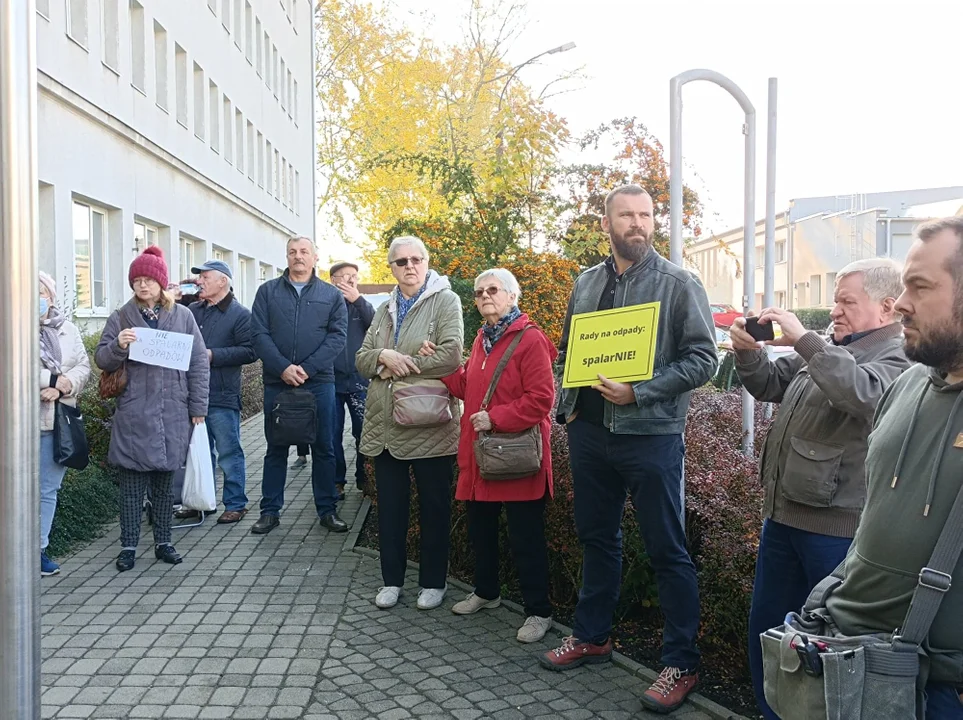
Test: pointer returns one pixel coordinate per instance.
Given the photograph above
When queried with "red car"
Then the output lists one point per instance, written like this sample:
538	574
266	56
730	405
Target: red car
724	315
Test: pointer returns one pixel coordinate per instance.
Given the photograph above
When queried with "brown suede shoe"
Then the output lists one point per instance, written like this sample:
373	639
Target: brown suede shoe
573	652
231	516
669	690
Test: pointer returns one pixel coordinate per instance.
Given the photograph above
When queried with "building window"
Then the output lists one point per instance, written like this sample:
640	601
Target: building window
251	160
267	60
228	141
294	15
226	14
90	256
215	114
180	84
260	47
275	75
262	274
297	193
268	163
238	23
241	282
830	288
199	88
780	299
160	65
291	186
249	33
239	140
276	179
780	251
77	22
283	82
294	85
186	261
111	24
290	94
284	182
760	256
138	51
815	289
43	8
260	160
212	5
145	236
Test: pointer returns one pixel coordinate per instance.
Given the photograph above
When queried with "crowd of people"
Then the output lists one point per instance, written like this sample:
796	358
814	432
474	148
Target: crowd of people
859	470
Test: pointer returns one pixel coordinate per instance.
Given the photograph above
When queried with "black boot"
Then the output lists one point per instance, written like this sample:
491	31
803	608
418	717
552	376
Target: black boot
168	554
125	561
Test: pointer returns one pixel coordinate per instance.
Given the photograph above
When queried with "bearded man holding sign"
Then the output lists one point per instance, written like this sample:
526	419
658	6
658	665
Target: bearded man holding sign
626	438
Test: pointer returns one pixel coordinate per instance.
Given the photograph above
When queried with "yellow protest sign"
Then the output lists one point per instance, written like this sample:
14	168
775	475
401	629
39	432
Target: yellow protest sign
619	344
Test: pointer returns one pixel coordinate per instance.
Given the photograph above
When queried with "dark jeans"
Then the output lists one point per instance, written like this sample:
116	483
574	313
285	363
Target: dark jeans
943	702
526	533
322	450
302	450
605	467
433	477
224	435
355	404
789	564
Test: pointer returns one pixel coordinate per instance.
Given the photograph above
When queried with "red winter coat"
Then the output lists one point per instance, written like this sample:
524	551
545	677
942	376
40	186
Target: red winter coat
522	399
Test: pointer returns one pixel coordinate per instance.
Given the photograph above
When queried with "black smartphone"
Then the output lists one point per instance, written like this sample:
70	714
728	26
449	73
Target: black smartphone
759	332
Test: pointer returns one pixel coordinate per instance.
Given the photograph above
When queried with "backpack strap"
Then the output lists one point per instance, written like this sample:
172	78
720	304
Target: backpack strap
501	366
934	581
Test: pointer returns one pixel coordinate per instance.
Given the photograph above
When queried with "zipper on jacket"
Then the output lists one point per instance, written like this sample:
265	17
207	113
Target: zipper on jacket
611	407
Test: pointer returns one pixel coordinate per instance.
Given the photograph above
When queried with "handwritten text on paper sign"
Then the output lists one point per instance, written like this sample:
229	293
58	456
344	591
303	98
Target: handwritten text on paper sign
163	349
618	343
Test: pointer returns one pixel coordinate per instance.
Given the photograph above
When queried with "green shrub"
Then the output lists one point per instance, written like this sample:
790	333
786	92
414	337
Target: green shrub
814	318
252	390
88	500
98	413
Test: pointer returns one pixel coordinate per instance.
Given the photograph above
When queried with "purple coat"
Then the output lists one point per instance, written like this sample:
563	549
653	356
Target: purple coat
151	428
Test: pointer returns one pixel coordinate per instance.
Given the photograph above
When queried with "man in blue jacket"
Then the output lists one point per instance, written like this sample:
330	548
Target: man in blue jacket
350	387
225	325
300	328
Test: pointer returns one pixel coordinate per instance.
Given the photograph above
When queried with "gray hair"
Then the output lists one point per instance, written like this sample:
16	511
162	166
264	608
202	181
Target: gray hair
623	190
508	281
404	241
219	275
881	277
302	238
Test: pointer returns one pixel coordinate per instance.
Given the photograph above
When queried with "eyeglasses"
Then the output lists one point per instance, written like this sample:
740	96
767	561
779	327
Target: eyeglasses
346	278
143	281
491	290
403	262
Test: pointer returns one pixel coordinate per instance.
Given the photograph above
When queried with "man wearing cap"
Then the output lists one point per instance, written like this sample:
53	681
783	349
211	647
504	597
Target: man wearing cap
350	387
225	325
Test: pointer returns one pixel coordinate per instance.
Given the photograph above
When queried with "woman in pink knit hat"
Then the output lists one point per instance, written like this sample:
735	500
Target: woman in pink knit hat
152	424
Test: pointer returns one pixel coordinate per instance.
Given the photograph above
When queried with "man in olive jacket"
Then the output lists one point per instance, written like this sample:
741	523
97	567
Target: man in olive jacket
813	460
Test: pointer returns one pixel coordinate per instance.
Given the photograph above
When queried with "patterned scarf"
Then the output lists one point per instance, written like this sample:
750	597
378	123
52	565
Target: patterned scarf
51	354
492	333
150	314
405	305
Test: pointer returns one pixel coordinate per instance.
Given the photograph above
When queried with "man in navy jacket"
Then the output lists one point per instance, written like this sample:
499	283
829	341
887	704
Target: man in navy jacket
225	325
350	387
300	328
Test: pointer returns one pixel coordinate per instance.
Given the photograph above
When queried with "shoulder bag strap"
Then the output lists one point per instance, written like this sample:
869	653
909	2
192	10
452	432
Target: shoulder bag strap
934	579
501	366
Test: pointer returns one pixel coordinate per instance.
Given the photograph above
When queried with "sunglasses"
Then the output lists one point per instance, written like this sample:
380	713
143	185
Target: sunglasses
403	262
491	290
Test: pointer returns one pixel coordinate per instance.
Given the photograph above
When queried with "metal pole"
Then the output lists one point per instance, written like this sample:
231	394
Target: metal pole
749	271
675	170
19	358
769	275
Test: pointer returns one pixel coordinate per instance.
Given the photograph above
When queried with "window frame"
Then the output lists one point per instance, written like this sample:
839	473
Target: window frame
93	310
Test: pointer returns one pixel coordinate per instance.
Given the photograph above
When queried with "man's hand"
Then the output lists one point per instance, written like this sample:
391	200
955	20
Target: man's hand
292	375
64	385
398	364
197	420
210	357
615	392
126	337
791	328
481	421
741	340
49	394
427	348
350	292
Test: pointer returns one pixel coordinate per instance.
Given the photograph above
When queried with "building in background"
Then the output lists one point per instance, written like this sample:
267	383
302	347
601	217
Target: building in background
187	124
814	239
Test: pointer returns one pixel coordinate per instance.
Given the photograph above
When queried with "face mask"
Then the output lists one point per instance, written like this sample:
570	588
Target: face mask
189	289
44	306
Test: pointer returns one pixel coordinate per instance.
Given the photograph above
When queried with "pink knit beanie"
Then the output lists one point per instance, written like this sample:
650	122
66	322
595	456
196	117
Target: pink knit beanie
149	263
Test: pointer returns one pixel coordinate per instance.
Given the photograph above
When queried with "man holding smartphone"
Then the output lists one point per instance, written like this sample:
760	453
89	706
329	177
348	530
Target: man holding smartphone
813	460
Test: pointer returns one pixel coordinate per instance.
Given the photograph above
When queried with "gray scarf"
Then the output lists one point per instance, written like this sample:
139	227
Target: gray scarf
51	354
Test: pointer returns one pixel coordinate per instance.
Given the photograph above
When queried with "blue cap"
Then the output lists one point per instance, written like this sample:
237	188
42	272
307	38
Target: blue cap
218	265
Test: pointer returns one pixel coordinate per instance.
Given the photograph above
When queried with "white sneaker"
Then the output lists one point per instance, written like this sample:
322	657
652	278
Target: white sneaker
472	604
534	629
430	598
388	597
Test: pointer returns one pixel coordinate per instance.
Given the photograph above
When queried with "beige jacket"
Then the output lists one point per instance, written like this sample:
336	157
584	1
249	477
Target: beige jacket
437	316
75	367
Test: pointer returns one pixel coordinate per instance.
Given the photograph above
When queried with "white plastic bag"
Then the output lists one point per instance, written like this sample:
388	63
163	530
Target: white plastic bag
198	492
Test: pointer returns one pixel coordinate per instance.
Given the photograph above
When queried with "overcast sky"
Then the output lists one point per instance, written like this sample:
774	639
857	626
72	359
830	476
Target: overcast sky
870	93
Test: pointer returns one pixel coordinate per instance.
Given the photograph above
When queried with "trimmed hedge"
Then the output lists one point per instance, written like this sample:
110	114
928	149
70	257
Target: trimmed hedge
817	319
88	500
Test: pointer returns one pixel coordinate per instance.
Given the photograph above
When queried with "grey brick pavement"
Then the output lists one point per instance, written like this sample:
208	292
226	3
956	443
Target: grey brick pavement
284	626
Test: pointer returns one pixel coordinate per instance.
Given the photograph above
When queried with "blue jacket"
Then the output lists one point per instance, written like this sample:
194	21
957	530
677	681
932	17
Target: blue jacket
347	379
226	329
309	329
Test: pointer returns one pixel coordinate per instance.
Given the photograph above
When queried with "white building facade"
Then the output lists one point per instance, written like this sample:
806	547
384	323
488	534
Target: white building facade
187	124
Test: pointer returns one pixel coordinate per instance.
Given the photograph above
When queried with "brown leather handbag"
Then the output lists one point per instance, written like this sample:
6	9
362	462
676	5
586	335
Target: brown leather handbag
113	383
508	456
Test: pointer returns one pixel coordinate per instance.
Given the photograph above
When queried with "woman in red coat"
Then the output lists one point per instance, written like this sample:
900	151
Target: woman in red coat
523	398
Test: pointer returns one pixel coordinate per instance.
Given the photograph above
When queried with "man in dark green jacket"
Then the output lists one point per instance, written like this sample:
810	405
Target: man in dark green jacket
914	470
813	461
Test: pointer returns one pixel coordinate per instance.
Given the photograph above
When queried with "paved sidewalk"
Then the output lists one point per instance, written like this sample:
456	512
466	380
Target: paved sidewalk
284	626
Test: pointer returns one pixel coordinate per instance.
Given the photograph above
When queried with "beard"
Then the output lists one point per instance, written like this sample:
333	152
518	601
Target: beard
939	347
632	246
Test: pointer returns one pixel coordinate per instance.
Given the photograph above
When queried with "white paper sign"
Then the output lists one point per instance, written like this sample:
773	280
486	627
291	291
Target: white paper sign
164	349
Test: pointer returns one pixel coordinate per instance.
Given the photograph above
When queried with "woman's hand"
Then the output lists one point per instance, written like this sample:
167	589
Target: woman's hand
427	349
126	337
197	420
481	421
49	394
64	385
398	364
